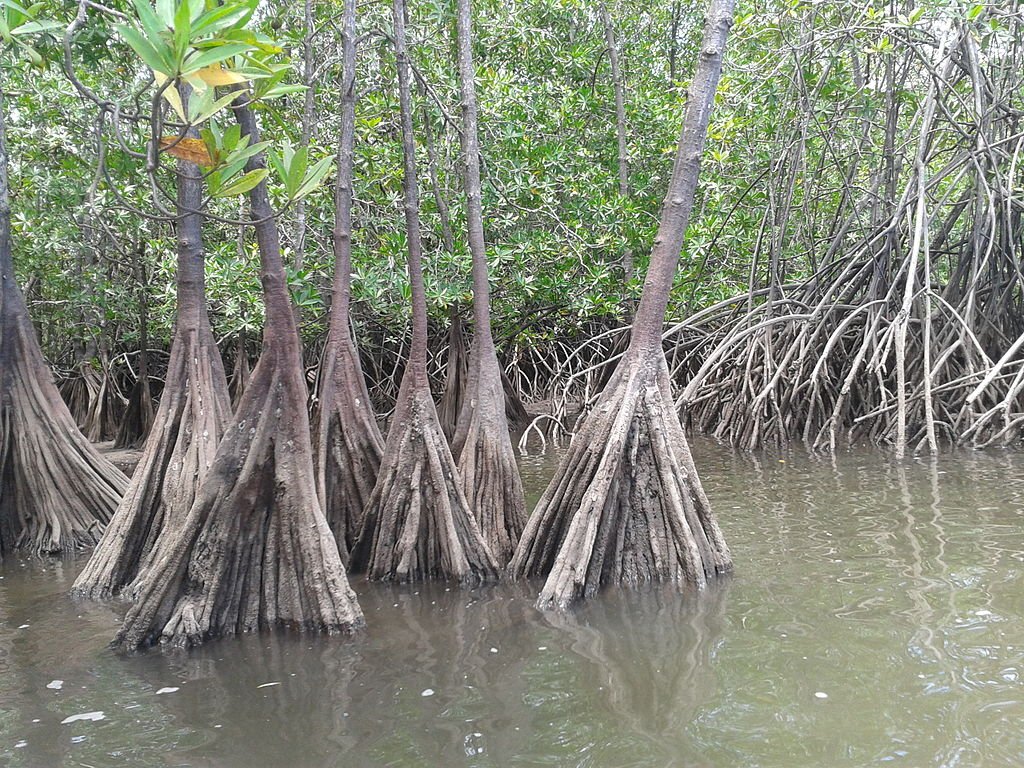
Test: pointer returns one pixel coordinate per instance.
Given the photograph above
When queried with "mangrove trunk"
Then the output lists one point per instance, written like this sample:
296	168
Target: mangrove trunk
626	505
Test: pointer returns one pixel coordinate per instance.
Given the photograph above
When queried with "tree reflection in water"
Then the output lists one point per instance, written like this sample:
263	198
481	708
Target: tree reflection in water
652	650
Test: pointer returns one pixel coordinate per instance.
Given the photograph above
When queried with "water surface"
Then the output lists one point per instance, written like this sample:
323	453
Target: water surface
876	617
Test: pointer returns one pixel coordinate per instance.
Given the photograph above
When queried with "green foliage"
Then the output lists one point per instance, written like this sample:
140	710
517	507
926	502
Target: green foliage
229	152
803	93
20	26
292	167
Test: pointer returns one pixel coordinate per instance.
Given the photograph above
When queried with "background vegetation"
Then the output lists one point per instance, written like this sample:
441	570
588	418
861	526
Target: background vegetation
815	128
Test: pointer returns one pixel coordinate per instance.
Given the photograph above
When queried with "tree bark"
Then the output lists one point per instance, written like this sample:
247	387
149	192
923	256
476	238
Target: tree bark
255	550
487	463
418	524
349	444
56	491
626	505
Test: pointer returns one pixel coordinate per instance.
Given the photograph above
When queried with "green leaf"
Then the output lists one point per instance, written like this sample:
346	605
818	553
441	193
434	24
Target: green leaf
213	56
253	40
242	184
182	29
212	139
315	176
33	56
150	23
296	170
32	27
165	12
246	151
222	18
230	170
232	136
281	90
145	50
278	165
14	6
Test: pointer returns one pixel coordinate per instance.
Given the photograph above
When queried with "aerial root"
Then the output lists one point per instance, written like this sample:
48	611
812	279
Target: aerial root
626	505
349	445
56	492
418	524
254	550
189	423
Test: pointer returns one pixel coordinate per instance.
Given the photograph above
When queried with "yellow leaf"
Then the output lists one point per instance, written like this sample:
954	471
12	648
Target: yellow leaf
191	150
217	75
171	94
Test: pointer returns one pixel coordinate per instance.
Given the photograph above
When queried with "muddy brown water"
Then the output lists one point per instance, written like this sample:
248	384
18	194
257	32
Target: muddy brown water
876	617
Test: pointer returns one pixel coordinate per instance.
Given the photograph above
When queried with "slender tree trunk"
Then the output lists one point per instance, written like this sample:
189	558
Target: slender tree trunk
447	236
456	374
673	42
626	505
194	411
308	116
456	369
255	551
487	463
83	390
240	370
620	124
418	524
138	416
56	491
348	441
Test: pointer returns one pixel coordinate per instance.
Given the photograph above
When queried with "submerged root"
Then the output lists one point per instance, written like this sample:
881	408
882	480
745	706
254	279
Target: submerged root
254	551
657	697
189	424
349	445
626	505
418	524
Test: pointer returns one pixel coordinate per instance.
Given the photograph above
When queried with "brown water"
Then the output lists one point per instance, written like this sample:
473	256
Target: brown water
876	617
